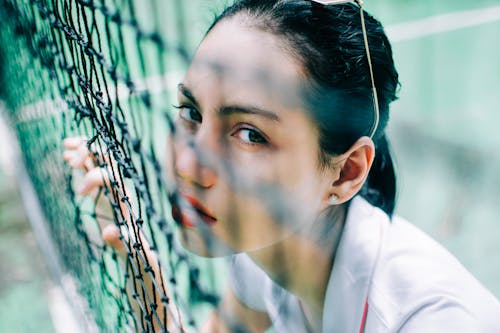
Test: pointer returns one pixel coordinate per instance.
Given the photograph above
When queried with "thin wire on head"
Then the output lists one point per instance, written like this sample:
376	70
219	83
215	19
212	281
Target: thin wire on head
376	111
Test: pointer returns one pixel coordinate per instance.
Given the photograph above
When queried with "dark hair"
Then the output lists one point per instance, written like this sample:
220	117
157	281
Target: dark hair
328	40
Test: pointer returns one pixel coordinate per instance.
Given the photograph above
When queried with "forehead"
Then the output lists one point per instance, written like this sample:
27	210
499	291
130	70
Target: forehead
236	59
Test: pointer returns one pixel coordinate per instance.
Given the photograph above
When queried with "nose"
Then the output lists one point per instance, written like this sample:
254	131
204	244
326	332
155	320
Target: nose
191	168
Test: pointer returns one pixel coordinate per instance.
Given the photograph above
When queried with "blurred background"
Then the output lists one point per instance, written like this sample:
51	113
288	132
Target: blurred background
444	133
25	285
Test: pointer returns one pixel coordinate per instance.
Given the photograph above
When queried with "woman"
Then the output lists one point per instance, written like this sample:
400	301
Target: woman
281	160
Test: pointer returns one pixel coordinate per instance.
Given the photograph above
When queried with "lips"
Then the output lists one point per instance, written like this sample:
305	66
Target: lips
179	217
188	218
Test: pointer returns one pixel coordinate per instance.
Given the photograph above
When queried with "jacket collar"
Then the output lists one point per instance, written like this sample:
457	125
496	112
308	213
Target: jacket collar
353	268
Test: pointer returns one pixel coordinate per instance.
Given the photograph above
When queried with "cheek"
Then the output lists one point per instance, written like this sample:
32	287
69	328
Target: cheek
255	215
250	222
170	159
243	227
279	181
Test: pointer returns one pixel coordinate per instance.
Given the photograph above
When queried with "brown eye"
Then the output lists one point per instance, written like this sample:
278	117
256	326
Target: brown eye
190	114
250	136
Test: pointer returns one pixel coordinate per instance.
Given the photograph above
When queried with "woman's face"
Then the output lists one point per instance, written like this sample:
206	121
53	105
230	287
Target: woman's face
246	153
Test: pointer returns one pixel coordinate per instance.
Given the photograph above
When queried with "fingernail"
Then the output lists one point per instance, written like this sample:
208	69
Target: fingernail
66	142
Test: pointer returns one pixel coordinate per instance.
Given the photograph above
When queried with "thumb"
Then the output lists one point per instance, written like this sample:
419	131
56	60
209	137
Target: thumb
111	236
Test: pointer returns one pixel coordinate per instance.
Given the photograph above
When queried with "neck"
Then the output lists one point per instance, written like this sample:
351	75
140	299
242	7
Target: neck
302	263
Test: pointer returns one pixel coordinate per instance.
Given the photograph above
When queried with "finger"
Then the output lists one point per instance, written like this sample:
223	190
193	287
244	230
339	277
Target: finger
80	157
68	155
78	160
73	158
74	142
93	154
93	179
99	155
88	164
86	159
111	236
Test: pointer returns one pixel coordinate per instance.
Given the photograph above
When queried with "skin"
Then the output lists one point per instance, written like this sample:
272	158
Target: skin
298	236
238	136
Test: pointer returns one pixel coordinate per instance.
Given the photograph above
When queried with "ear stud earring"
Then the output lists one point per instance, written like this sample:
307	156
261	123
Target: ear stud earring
333	199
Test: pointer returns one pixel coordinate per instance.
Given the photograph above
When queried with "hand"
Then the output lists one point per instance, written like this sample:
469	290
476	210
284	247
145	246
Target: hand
78	156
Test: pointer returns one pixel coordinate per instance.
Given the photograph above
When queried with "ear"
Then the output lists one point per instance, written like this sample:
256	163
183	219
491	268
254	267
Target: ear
352	170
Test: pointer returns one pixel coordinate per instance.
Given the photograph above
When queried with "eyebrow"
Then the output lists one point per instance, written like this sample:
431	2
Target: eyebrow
231	109
235	109
186	92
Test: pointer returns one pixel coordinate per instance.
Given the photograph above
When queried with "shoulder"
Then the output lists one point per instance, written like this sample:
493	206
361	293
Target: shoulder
417	283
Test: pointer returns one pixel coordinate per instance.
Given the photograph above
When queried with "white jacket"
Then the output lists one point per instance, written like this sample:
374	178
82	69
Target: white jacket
403	279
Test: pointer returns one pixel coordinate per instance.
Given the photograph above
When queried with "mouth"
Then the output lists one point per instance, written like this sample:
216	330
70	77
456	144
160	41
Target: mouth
189	217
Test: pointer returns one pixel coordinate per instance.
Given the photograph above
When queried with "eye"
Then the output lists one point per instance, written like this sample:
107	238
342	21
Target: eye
189	114
250	136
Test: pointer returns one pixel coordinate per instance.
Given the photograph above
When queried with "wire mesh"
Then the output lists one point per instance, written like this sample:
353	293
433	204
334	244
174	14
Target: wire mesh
103	70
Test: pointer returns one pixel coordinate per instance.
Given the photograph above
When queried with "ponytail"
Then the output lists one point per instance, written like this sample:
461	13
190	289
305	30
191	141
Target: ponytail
380	187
